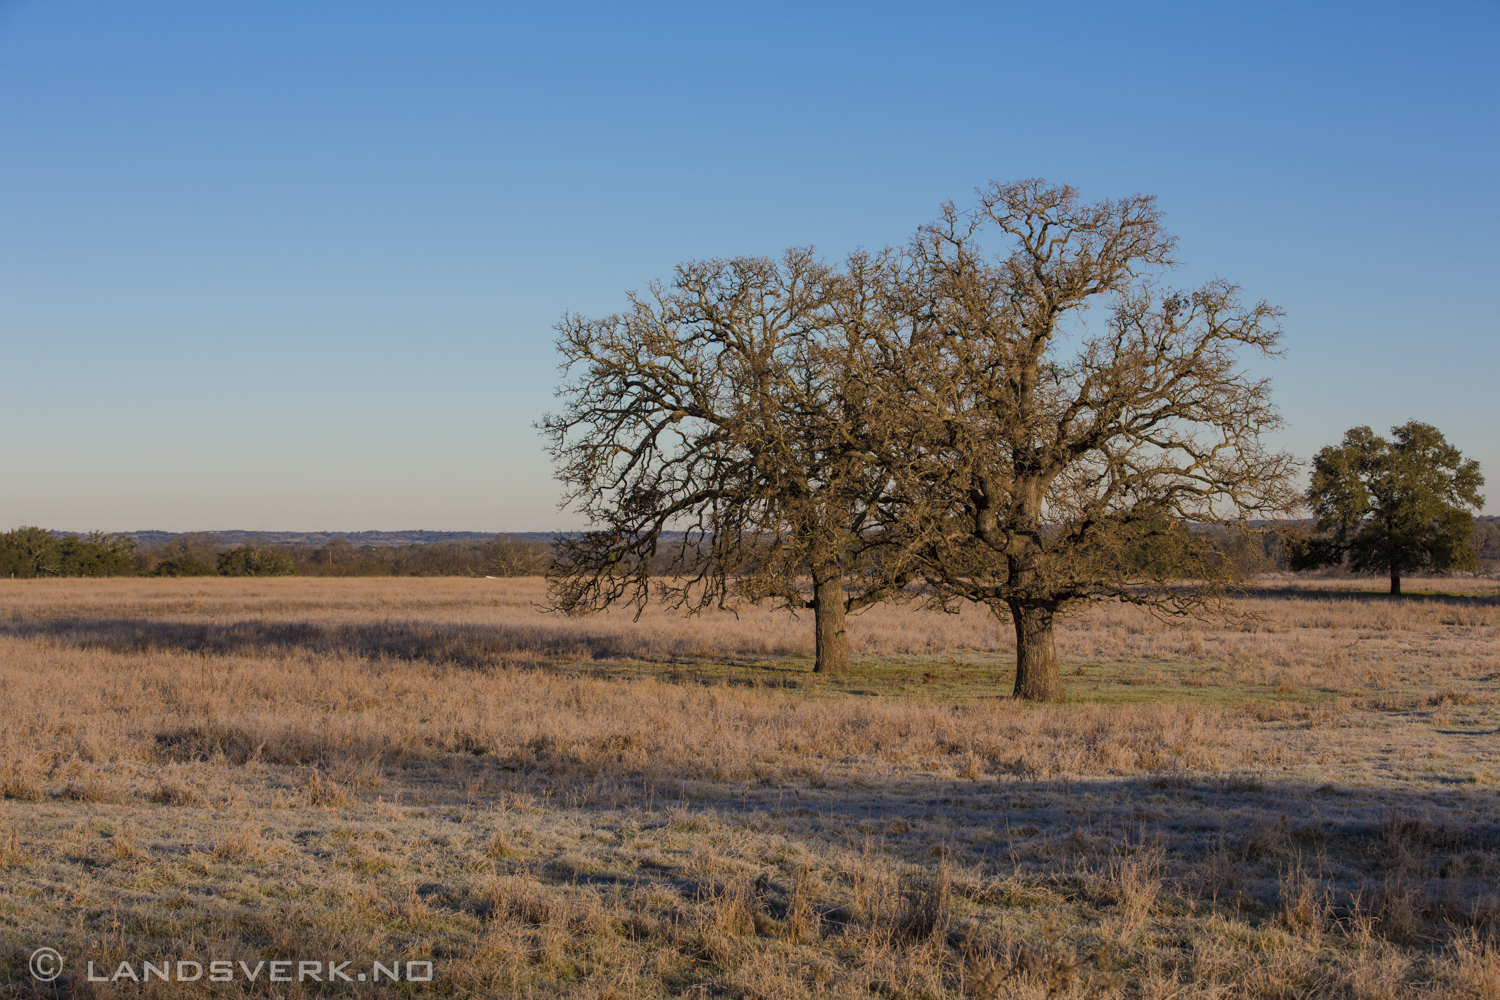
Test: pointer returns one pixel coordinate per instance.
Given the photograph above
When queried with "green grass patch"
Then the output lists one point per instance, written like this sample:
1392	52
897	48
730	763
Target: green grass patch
961	677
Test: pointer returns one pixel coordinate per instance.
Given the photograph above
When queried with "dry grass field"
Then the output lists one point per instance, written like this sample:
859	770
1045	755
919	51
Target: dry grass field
1301	803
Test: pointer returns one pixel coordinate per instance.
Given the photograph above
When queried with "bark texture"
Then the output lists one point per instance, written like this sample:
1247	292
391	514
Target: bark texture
828	624
1036	652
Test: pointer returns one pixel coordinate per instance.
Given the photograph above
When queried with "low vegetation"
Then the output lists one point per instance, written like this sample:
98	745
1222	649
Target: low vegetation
30	553
1299	803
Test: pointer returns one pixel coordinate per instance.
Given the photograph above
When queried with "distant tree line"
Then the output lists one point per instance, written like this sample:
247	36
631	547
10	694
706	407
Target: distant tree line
499	556
31	552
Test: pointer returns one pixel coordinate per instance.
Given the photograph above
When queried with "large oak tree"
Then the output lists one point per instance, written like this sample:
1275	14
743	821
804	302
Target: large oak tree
938	415
1055	451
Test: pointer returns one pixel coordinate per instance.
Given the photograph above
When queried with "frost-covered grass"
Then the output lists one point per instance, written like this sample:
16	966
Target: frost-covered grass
1299	804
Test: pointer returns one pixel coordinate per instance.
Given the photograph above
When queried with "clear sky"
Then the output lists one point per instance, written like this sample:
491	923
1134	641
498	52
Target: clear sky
295	266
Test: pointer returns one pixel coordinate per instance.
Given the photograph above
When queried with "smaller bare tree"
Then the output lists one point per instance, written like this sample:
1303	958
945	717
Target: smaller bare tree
507	555
718	435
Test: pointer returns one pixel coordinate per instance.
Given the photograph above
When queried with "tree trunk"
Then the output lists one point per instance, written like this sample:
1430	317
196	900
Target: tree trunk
828	624
1036	654
1395	580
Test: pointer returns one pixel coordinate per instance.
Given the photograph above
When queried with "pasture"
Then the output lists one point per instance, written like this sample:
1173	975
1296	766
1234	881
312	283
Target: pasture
1303	802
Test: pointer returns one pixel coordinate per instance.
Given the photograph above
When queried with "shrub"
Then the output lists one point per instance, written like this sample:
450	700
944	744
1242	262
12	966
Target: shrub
247	560
183	566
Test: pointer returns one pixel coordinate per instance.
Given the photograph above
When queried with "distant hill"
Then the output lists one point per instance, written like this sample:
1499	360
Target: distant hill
150	539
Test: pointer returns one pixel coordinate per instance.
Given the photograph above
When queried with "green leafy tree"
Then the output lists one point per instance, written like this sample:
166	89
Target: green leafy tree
96	554
1393	506
29	552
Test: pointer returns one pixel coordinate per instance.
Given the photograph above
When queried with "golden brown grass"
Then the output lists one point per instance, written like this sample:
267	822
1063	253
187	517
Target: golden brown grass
1302	803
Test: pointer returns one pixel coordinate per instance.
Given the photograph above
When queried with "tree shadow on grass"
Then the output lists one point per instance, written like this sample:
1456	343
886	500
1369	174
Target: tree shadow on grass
1237	837
1374	597
464	645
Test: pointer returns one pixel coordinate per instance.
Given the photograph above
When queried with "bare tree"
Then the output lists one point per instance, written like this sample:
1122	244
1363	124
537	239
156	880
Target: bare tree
1051	455
934	415
720	436
506	555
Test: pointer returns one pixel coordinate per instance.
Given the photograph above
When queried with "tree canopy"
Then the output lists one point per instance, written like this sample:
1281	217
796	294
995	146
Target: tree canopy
1064	463
734	405
1393	506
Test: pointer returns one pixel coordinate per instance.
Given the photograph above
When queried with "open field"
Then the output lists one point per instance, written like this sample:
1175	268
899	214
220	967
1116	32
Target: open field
1302	803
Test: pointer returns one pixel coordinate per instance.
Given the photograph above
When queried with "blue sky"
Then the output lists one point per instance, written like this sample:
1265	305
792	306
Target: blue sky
295	266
